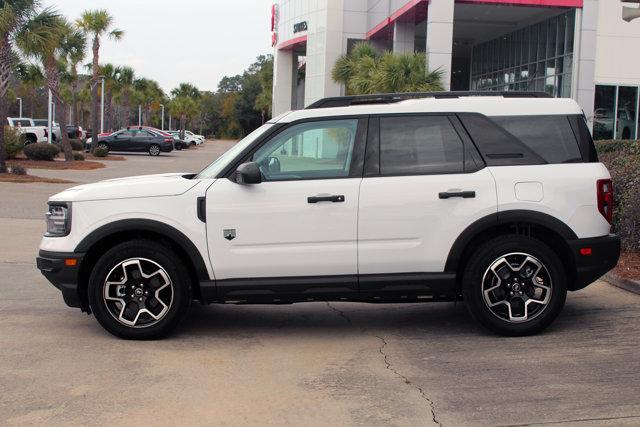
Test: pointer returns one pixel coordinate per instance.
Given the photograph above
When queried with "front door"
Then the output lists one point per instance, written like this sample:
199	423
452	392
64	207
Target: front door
300	224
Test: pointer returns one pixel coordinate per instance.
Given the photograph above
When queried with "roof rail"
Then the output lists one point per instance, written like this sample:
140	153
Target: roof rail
390	98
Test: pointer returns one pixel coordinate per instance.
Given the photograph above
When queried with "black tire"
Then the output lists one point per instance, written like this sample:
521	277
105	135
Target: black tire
154	150
178	146
151	252
474	285
30	139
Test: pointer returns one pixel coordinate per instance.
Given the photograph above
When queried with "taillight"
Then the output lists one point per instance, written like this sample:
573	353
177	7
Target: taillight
605	198
168	140
46	133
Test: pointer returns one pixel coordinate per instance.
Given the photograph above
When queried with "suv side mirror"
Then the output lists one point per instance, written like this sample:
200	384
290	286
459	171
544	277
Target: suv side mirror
248	173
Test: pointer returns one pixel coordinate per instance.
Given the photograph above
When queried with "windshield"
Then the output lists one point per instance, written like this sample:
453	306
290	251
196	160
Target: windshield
216	167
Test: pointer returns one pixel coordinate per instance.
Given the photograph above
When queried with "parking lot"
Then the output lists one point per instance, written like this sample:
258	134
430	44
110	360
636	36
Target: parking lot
301	364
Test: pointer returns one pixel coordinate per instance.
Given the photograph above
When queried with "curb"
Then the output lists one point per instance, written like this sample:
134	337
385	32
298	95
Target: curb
622	283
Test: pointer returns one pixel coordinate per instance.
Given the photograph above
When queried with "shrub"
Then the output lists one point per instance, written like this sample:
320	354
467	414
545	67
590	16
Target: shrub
76	145
100	152
13	142
18	170
622	158
78	156
41	151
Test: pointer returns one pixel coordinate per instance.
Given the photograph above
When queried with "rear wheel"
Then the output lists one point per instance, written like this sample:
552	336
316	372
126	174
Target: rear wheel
154	150
139	290
30	139
514	285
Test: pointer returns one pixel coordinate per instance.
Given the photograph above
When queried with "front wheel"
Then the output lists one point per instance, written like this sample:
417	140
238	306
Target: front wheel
154	150
139	290
514	286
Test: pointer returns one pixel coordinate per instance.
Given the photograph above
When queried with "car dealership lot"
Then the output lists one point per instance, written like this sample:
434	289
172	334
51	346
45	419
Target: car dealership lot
316	363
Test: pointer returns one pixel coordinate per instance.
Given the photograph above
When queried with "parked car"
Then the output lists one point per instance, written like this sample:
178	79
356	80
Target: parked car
496	200
26	127
177	142
74	132
135	139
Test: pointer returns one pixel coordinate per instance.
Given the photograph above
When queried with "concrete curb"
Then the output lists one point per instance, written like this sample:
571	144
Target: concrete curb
622	283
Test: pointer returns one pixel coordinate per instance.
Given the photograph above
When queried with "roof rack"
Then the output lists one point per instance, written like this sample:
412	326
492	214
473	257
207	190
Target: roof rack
390	98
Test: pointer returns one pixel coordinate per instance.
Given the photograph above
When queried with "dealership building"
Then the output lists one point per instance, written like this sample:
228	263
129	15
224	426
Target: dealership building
582	49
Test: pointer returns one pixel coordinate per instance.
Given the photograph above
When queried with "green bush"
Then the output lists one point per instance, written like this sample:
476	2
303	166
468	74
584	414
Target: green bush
76	145
78	156
100	152
18	170
622	158
41	151
13	142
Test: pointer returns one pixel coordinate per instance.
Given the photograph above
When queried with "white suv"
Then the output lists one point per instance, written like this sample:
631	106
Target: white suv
495	200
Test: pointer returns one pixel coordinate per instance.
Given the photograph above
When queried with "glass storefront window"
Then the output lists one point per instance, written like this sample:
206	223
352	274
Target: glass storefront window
603	116
626	116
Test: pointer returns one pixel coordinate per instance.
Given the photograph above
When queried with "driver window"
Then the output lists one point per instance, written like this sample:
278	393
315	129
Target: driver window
319	149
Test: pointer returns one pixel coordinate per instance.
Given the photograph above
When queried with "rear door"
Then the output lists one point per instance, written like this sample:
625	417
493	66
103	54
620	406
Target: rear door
424	184
142	140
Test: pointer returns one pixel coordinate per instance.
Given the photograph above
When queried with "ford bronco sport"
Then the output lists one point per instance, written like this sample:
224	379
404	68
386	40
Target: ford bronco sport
495	199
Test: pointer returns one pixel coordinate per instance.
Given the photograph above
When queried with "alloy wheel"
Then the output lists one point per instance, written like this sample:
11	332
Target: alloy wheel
516	287
138	292
154	150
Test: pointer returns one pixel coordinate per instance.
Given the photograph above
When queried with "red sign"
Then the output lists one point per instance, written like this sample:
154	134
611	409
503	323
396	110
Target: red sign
274	24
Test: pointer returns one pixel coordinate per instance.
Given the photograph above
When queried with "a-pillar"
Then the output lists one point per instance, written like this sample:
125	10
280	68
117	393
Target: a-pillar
440	38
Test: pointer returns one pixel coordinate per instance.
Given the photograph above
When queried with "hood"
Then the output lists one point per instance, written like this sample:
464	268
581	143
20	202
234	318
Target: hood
172	184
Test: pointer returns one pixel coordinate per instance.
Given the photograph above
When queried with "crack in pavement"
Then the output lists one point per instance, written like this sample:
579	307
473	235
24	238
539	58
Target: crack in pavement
389	367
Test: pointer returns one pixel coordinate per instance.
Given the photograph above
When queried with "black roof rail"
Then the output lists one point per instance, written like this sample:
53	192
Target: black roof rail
390	98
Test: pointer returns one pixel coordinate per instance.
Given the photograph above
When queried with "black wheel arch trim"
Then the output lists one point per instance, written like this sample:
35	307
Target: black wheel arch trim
148	225
502	218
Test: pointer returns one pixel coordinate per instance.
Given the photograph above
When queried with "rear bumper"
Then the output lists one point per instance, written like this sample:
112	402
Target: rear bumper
591	265
64	277
166	148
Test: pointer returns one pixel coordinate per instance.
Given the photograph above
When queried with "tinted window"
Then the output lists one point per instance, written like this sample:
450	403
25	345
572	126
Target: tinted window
550	137
419	145
23	123
320	149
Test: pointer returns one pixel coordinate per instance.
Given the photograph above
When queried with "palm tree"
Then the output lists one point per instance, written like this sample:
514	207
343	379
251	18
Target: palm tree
185	108
366	71
74	49
43	38
31	83
109	73
14	15
126	83
97	23
149	96
186	90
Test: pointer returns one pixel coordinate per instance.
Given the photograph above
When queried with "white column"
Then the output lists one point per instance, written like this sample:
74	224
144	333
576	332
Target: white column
585	57
440	38
404	34
282	81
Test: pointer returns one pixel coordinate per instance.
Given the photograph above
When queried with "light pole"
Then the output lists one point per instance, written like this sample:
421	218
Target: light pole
20	100
49	118
102	107
139	115
162	120
169	121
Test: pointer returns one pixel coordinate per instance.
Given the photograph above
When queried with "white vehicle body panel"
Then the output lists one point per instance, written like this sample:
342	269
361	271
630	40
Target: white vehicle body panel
403	225
278	233
38	131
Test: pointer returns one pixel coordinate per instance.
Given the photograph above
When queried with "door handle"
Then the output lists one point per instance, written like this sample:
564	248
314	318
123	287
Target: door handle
463	194
333	199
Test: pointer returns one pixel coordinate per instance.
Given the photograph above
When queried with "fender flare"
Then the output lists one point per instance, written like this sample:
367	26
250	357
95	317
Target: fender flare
501	218
139	224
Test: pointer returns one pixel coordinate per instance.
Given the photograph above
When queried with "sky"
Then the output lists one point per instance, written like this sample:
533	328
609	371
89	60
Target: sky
194	41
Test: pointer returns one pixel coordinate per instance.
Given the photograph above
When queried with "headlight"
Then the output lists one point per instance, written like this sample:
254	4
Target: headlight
58	219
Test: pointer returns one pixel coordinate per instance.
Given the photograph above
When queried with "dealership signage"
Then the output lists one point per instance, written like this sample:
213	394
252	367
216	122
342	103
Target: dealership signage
300	26
274	24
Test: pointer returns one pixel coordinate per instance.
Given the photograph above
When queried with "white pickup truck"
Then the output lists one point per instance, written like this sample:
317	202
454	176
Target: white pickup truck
26	127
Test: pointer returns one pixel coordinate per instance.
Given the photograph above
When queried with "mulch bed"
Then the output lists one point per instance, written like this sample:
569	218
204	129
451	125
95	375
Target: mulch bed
25	179
57	164
628	266
88	156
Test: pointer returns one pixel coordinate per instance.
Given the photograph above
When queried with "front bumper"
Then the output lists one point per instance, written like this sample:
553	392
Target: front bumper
53	265
598	256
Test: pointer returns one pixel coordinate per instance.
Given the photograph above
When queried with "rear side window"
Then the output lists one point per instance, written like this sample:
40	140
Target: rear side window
419	145
550	137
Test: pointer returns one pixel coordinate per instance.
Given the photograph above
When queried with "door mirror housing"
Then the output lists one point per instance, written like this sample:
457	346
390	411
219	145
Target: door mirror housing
248	173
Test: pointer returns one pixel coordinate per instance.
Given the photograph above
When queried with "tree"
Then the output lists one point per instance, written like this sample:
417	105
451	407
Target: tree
74	48
265	97
149	95
14	15
31	85
126	83
365	71
97	24
109	73
187	90
43	38
185	108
